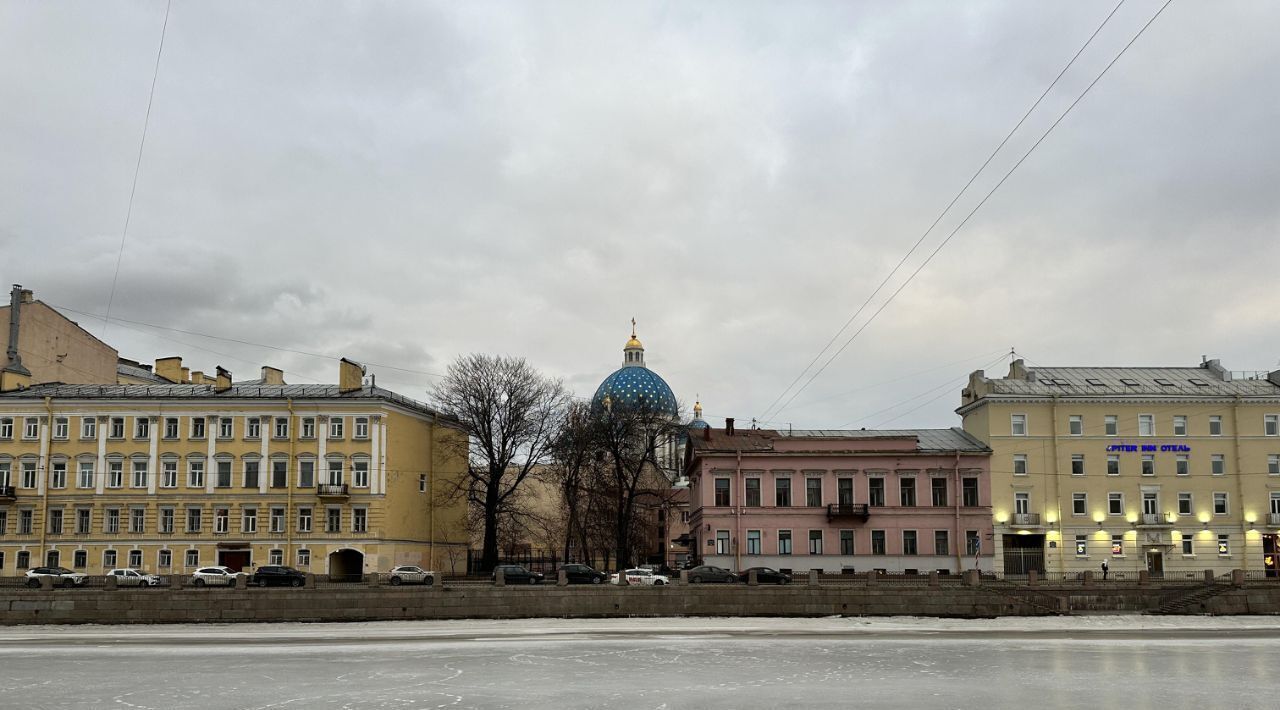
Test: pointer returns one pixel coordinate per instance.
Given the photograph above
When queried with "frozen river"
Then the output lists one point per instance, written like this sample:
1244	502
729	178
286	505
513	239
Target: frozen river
1094	662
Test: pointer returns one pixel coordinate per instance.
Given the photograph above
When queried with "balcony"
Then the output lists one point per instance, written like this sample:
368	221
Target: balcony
1026	520
8	494
332	491
1154	520
1273	519
860	511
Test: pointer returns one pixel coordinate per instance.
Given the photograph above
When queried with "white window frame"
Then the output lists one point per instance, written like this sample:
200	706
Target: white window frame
1182	465
172	428
253	428
359	473
196	473
1226	503
1217	465
141	428
226	428
61	428
1083	500
1017	421
115	473
58	474
88	428
280	428
84	474
1114	497
1146	425
361	428
1215	422
249	520
1148	470
1019	461
1179	425
1075	425
30	428
1077	458
1111	425
359	520
1190	499
308	428
200	425
169	473
1271	425
336	427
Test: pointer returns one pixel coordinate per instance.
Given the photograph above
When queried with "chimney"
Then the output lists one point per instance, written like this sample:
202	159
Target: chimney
14	376
186	375
706	433
169	368
1017	370
350	376
197	377
728	425
223	382
272	375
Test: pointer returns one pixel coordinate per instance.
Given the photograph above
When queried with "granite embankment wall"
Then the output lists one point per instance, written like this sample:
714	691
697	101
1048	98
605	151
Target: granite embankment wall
360	603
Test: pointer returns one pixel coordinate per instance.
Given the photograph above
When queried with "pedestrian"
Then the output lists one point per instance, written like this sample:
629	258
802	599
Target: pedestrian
1104	569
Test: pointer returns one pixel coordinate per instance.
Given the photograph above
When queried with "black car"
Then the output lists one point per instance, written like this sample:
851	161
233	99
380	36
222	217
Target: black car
517	574
277	576
764	575
710	573
582	574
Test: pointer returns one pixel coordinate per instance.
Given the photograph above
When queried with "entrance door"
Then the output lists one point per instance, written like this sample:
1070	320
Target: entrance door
1271	555
234	559
1023	553
1155	563
346	566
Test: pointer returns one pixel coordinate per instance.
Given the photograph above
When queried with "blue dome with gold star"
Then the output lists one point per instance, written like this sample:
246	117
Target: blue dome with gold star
633	383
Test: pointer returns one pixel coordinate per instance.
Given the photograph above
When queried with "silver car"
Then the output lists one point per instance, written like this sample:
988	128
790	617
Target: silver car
411	574
214	577
126	577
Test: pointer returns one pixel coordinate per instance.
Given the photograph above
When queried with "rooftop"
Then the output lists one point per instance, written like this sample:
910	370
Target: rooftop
762	440
1208	379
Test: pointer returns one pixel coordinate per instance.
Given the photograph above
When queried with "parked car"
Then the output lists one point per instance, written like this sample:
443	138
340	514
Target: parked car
62	577
411	574
582	574
214	577
765	575
126	577
641	576
278	576
710	573
517	574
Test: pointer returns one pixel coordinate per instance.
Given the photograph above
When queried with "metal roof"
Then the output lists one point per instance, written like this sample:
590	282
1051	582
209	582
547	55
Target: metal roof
140	373
1146	381
952	439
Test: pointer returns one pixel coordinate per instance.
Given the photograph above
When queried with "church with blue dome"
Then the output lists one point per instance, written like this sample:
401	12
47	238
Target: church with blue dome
634	383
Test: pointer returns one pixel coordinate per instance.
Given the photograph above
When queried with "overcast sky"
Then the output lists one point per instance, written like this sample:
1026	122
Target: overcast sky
401	183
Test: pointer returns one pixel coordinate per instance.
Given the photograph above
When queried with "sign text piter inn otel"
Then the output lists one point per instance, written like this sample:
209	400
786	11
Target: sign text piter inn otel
1150	448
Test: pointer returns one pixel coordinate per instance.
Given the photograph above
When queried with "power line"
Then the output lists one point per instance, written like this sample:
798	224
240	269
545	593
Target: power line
974	211
137	168
944	386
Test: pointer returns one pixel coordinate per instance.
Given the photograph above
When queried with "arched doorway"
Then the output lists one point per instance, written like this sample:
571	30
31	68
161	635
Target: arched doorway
346	565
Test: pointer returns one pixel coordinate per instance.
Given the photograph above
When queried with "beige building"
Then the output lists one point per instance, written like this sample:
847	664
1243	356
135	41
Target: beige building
1173	470
189	470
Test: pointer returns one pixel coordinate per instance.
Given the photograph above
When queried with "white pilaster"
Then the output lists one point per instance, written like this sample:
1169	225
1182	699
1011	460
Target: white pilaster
153	460
264	468
382	459
100	472
42	465
375	450
210	470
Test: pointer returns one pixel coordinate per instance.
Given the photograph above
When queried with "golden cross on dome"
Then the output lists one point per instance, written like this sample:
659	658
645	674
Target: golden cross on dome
633	327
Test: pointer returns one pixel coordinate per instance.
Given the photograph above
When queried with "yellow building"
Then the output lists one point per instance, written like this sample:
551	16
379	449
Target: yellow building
190	470
1173	470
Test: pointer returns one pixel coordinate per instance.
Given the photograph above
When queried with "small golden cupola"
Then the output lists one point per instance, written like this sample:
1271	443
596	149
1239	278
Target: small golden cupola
633	351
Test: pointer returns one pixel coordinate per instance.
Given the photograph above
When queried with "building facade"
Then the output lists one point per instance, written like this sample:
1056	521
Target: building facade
337	479
1171	470
897	501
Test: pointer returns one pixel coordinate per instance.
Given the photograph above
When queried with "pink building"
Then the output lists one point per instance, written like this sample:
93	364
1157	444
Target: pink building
893	500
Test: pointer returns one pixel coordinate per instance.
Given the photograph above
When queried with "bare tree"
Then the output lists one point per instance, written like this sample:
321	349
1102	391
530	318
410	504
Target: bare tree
573	474
511	413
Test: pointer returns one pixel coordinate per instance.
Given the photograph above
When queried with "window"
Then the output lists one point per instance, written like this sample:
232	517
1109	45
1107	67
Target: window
281	430
360	473
1219	503
844	491
165	559
1077	464
197	428
1217	464
5	472
277	520
359	520
55	521
6	427
221	520
140	474
722	542
909	542
1187	545
938	487
275	557
1182	465
88	428
1271	425
195	473
784	542
170	427
813	492
308	428
1184	503
422	483
1146	425
169	474
84	518
279	473
165	523
753	492
193	558
304	557
137	520
249	520
335	473
1150	504
29	474
111	524
135	558
782	492
1115	504
1113	465
115	474
970	492
846	542
84	477
1275	502
142	427
941	543
4	521
194	523
1075	425
1148	465
1082	545
1019	464
25	518
225	428
31	428
972	543
58	474
722	492
875	492
1179	425
1018	424
80	559
306	474
304	520
251	474
1117	545
24	559
362	427
333	520
753	542
109	559
1021	503
253	428
1224	545
1273	464
1079	503
907	492
60	428
815	542
335	427
1215	425
117	428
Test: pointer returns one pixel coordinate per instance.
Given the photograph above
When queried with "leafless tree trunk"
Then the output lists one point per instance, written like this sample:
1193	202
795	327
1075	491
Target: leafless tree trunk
511	413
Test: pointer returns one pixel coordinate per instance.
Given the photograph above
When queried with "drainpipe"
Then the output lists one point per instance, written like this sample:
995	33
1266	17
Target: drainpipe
958	492
288	488
1057	485
737	516
431	489
43	463
1244	526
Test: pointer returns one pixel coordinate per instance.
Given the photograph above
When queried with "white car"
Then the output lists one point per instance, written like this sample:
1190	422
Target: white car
411	574
214	577
126	577
644	577
61	576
